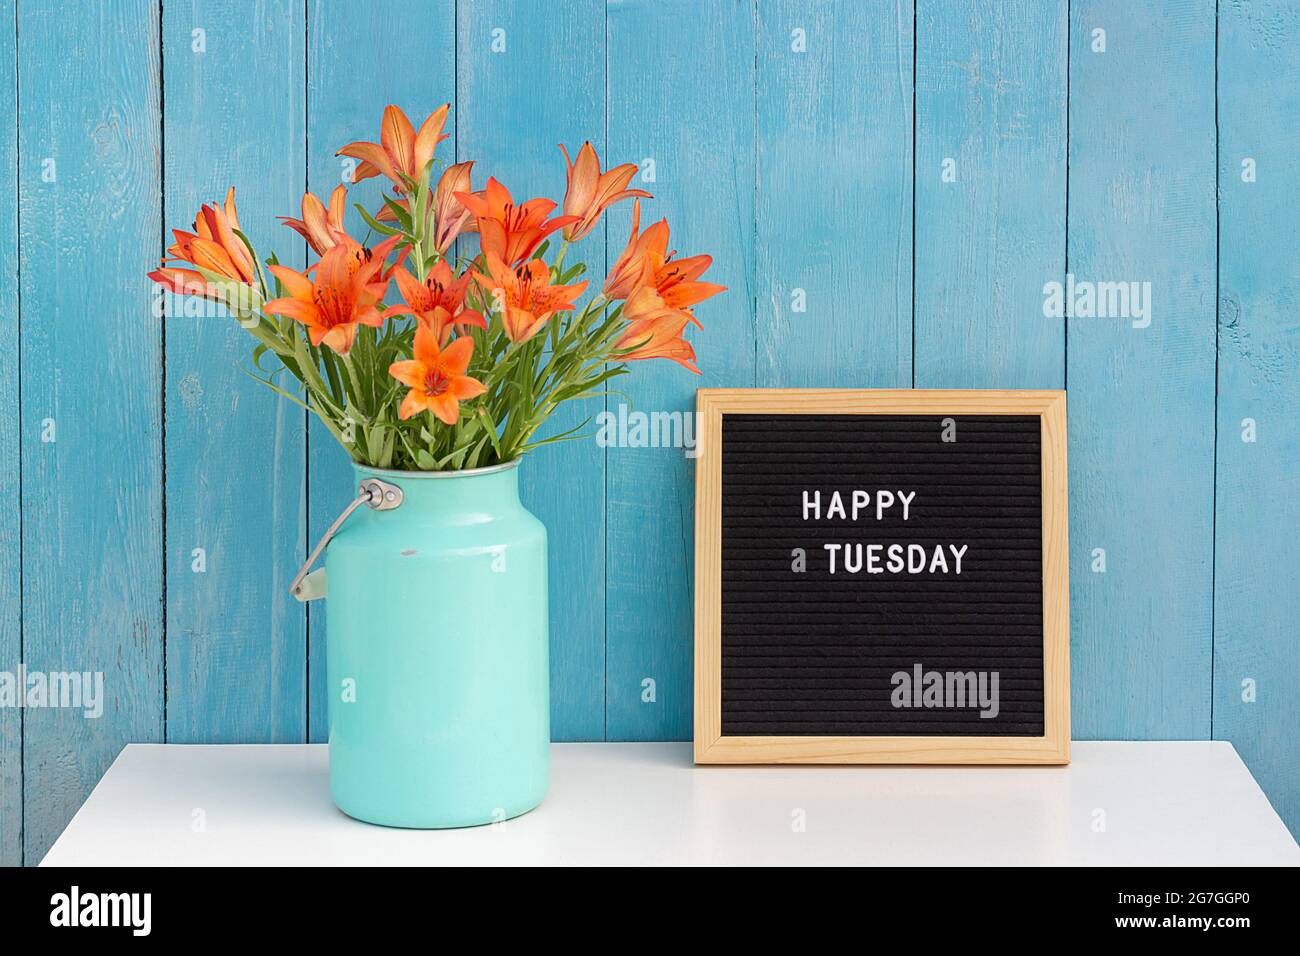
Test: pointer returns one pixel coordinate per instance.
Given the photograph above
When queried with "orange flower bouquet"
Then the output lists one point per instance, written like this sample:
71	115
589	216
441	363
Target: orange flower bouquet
425	350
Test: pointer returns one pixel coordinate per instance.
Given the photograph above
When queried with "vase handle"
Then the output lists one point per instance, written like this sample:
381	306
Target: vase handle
379	496
312	586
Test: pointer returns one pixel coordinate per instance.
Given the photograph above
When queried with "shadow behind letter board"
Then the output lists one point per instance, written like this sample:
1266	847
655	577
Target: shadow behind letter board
882	577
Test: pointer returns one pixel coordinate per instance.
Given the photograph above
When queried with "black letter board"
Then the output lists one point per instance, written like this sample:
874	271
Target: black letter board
881	577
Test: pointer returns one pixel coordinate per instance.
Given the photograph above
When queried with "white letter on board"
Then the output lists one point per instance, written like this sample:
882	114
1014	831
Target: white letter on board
906	499
815	504
884	499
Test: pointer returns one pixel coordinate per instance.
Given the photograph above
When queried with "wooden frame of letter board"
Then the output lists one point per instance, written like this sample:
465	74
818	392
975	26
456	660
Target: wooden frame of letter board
711	747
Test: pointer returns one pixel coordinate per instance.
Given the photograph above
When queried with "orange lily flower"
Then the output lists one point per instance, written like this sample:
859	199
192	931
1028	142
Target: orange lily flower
438	301
651	280
512	232
450	217
590	192
634	266
672	286
436	377
213	246
401	152
525	295
659	336
343	294
323	229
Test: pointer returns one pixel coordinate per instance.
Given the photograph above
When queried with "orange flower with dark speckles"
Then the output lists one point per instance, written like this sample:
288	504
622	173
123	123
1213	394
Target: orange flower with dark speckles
512	231
436	377
344	293
438	301
525	295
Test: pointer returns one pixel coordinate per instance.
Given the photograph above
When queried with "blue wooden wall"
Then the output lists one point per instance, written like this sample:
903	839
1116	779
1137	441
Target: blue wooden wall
885	188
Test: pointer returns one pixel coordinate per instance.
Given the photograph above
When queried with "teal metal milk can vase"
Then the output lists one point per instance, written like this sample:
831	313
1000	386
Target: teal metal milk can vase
436	648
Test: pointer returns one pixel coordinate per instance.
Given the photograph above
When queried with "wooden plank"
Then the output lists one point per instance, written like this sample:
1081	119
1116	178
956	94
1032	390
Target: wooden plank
236	654
344	104
11	719
1142	209
701	142
1256	602
91	362
834	217
990	192
531	75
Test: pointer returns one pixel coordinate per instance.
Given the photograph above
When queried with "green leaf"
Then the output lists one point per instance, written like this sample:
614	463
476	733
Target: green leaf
261	273
571	274
491	426
403	217
258	352
419	208
230	289
569	435
375	224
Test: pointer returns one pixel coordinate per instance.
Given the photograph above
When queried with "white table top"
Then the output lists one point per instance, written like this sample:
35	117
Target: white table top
1161	803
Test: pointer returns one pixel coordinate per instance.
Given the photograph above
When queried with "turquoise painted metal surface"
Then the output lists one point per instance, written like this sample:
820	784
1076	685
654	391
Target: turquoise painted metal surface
779	135
438	687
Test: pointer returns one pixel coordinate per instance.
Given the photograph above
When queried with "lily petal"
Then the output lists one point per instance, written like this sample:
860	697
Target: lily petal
374	155
398	138
409	372
295	283
427	139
